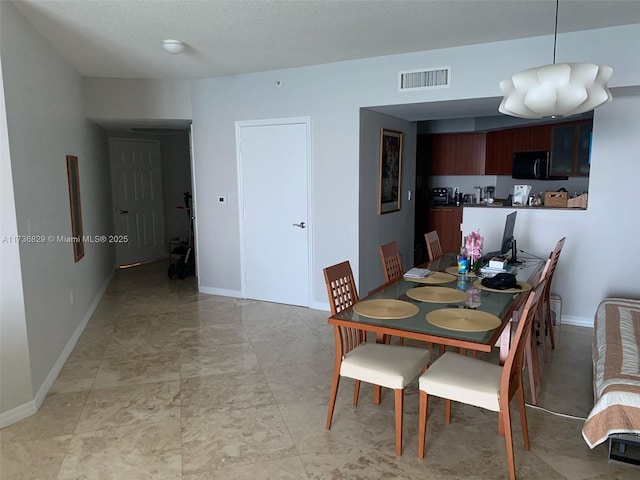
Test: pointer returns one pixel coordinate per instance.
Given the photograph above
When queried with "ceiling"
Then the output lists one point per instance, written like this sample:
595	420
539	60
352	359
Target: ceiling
123	38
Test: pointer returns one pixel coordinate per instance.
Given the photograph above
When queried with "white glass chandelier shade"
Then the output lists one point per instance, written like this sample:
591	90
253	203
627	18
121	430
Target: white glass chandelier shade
174	47
557	90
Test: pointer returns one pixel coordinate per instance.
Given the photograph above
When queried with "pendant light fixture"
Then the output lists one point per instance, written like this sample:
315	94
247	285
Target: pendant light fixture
556	90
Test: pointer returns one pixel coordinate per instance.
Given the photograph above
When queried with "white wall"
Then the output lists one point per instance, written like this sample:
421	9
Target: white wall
45	122
376	230
15	371
133	99
332	96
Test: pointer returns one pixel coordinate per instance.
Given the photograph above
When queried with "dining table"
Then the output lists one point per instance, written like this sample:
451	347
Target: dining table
444	308
460	295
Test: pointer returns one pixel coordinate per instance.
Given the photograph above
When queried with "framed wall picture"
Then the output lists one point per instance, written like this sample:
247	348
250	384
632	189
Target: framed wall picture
390	171
76	209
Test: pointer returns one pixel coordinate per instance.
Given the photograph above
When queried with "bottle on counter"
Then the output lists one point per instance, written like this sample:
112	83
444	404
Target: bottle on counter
463	261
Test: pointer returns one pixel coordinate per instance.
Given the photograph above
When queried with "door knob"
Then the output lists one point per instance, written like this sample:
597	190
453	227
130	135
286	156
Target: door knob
121	211
300	225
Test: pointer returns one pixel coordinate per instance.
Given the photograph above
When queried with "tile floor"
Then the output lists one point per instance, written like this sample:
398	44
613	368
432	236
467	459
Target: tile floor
166	383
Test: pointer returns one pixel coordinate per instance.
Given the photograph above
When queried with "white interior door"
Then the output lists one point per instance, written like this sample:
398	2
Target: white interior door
136	181
273	169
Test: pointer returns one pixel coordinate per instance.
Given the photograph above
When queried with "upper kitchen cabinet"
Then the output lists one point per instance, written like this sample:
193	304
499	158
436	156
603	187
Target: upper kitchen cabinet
453	153
571	147
502	144
491	153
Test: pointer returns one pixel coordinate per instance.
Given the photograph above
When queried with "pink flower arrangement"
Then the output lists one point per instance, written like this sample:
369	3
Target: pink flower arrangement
473	243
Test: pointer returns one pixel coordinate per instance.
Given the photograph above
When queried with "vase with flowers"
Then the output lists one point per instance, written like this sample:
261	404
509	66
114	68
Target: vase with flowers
473	243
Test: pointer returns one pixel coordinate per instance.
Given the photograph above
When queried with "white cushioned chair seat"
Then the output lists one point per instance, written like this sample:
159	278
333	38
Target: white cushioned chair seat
463	379
390	366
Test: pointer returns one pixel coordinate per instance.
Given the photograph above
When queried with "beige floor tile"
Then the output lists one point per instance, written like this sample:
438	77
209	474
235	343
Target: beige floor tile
201	396
235	437
282	469
365	464
130	405
136	452
58	416
200	361
76	376
134	368
211	336
33	459
91	344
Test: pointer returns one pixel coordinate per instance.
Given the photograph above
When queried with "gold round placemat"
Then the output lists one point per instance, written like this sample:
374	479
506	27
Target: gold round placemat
437	294
463	319
525	287
385	308
454	271
434	278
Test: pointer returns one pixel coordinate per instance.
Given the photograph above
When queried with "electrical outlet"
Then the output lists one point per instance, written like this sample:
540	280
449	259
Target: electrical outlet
71	300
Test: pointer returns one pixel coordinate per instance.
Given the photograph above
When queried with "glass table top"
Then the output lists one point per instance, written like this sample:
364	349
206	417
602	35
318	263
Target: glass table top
496	303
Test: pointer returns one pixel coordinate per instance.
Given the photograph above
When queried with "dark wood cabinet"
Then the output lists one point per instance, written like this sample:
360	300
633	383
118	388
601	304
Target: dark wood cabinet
446	221
540	137
491	153
456	153
502	144
499	152
571	149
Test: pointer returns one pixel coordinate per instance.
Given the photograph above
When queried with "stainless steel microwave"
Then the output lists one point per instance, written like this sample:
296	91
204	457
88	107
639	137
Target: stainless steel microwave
533	165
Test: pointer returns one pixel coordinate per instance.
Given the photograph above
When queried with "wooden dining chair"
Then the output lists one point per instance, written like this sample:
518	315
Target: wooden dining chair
390	366
433	245
532	362
391	262
545	321
483	384
391	267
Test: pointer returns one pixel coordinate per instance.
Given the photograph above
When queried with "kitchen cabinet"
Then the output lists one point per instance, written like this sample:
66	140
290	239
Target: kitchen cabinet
499	152
571	148
491	153
446	221
455	153
502	144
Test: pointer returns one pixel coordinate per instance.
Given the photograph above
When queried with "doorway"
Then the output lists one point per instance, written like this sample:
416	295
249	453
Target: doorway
138	213
273	170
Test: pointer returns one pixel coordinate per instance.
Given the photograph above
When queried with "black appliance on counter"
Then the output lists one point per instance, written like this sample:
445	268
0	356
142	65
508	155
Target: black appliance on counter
533	165
441	196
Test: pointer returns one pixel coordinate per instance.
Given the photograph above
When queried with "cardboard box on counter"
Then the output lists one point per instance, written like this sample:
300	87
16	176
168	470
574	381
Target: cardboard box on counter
556	199
578	202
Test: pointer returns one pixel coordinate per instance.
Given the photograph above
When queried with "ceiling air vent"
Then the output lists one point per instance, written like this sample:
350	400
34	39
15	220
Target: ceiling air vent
412	80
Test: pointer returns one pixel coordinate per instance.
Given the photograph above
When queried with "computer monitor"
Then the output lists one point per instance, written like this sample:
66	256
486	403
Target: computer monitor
508	240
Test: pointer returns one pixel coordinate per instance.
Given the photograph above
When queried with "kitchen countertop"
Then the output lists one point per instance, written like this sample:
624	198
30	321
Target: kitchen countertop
523	207
520	207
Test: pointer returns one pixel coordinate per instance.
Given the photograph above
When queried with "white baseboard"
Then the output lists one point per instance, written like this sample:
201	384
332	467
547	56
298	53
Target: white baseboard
576	321
237	294
219	291
27	409
19	413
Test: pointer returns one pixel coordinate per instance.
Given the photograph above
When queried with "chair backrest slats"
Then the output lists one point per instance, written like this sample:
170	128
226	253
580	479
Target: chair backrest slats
433	245
342	292
391	262
341	286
